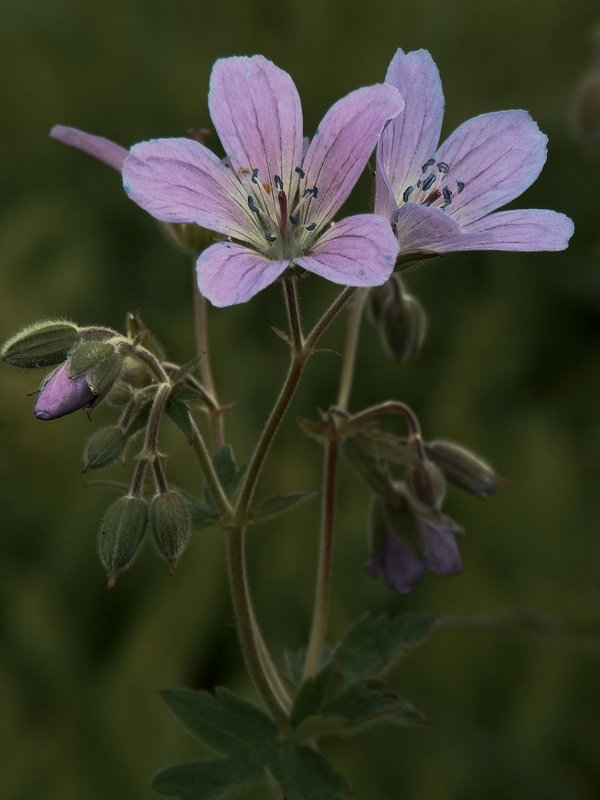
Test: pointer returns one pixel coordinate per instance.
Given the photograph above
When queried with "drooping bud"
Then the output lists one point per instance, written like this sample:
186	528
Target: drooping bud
61	394
104	447
121	535
170	524
403	327
463	468
378	298
41	344
427	485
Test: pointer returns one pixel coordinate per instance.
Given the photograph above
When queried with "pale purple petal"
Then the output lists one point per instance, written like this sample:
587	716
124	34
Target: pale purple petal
402	569
229	273
103	149
256	111
180	180
340	149
496	156
443	555
421	229
357	251
412	138
62	395
523	230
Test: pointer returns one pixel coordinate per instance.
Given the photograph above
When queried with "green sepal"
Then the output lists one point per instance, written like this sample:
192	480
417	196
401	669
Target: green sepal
227	723
140	420
178	412
228	473
316	429
170	524
104	447
185	369
202	780
121	534
87	355
273	506
371	467
102	376
40	344
305	775
203	514
314	694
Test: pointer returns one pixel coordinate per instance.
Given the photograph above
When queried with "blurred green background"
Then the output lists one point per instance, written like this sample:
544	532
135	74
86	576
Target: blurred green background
511	368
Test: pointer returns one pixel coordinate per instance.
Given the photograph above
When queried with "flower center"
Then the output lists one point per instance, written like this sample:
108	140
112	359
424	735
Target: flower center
432	189
280	212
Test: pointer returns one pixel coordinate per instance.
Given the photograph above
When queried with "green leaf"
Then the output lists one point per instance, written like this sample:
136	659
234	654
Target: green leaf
202	780
226	469
375	642
305	775
313	694
278	504
184	369
203	515
225	722
178	412
140	420
294	662
361	704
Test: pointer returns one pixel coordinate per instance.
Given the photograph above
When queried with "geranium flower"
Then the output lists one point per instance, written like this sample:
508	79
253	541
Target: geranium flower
441	198
402	568
272	196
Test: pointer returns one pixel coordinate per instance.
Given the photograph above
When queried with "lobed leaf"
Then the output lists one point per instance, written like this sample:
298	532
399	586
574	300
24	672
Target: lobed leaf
305	775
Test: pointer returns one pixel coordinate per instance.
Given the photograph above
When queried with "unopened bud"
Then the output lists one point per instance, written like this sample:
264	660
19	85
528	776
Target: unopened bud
377	300
61	394
121	535
104	447
464	468
171	524
192	239
427	485
41	344
100	361
403	327
403	519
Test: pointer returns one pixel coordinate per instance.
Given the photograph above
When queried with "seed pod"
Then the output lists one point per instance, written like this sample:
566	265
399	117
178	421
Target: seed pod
463	468
121	535
104	447
427	485
170	524
41	344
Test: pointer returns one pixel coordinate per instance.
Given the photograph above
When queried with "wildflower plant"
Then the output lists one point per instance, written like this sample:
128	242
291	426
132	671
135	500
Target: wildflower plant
263	213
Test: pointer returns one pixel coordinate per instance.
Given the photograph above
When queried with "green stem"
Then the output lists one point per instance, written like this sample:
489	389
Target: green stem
350	348
201	331
208	470
325	566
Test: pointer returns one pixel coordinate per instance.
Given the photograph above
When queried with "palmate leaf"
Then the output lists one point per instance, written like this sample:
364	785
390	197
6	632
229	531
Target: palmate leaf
203	780
203	515
305	775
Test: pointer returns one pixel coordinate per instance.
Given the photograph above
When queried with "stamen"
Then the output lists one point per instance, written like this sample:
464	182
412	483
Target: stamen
315	191
278	182
418	183
300	171
311	227
252	205
428	183
294	220
435	195
460	185
447	194
254	174
307	193
270	238
443	167
266	187
406	193
428	164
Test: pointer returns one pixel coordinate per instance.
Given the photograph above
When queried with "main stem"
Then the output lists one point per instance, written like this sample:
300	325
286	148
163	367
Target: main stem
202	348
350	348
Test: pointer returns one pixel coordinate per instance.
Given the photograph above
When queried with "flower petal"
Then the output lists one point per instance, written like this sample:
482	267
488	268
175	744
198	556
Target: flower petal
496	156
180	180
256	111
229	273
97	146
340	149
524	230
421	229
402	569
62	395
444	557
357	251
412	138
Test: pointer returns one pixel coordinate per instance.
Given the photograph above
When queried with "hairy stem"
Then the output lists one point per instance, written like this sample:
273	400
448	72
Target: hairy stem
201	330
350	347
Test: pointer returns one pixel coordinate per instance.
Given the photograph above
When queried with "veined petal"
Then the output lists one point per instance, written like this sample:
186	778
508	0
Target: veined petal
402	568
421	229
180	180
103	149
444	557
357	251
256	111
523	230
340	149
412	137
229	273
496	156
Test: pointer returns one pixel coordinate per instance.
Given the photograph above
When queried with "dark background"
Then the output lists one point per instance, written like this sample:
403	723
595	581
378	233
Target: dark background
511	368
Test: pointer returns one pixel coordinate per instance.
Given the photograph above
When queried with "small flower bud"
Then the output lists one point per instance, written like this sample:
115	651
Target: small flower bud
104	447
377	300
61	394
121	535
427	485
464	468
41	344
170	524
403	327
191	239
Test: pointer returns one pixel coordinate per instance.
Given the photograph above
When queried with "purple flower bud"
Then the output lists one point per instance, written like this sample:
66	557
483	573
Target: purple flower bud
400	566
61	395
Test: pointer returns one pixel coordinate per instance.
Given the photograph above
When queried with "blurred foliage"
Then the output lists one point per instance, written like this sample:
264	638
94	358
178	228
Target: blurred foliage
510	368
